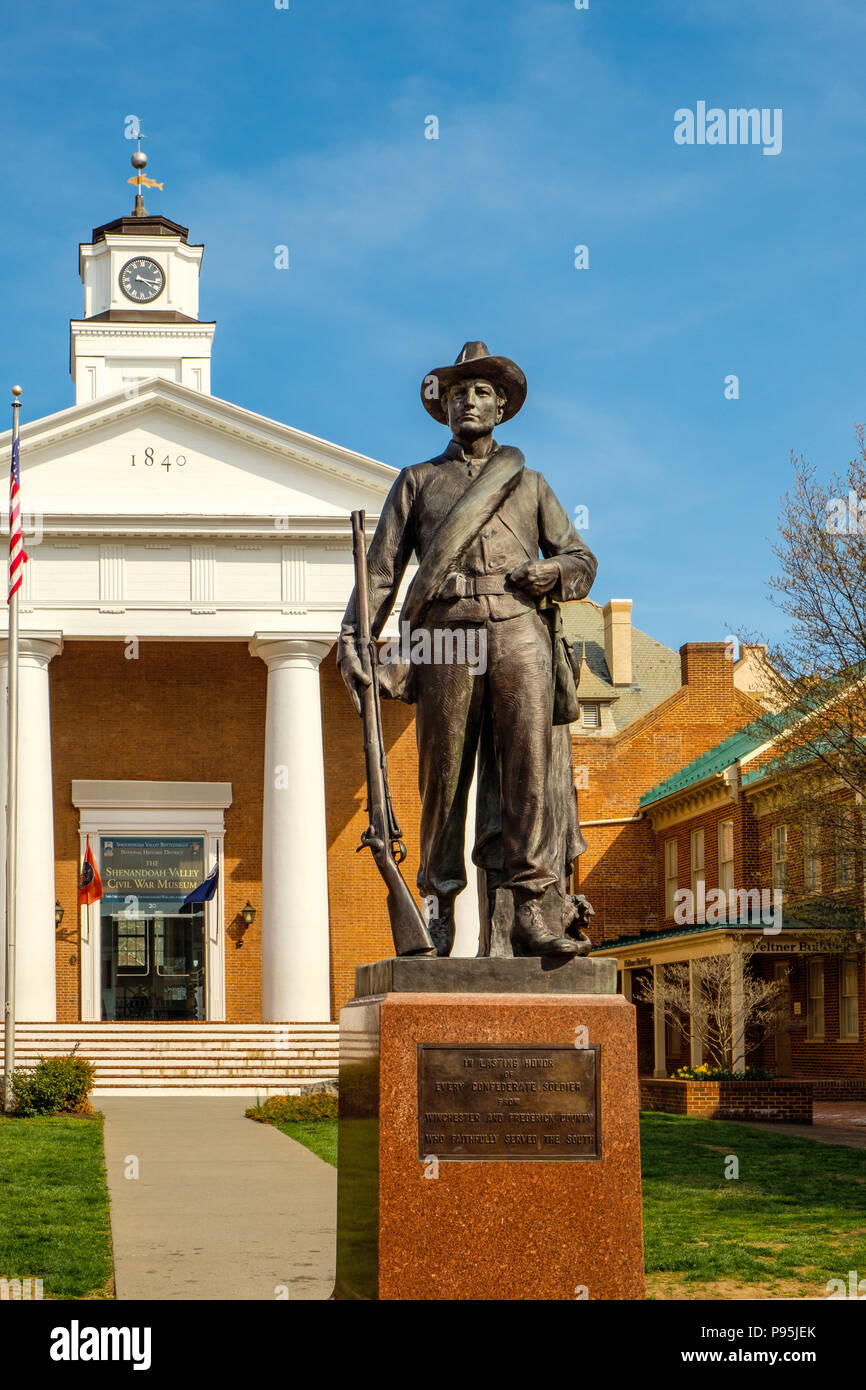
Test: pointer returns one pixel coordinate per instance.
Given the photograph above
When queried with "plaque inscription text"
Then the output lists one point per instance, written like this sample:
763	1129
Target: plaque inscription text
508	1102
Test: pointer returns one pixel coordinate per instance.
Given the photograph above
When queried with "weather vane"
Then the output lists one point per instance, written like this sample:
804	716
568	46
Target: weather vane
139	178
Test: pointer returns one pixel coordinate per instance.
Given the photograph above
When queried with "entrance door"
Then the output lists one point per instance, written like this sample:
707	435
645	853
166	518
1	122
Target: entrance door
153	954
783	1035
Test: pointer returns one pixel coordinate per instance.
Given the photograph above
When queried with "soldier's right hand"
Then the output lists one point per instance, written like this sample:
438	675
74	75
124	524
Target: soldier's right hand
353	673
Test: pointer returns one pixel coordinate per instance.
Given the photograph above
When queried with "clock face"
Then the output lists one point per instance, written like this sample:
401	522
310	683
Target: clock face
142	280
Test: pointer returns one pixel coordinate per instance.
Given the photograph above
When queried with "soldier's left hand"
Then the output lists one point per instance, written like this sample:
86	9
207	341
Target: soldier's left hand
536	577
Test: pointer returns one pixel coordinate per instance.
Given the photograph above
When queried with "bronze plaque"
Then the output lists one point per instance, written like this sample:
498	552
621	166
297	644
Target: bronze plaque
510	1102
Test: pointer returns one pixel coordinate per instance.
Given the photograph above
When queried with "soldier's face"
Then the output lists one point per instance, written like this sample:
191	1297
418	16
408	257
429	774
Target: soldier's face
473	409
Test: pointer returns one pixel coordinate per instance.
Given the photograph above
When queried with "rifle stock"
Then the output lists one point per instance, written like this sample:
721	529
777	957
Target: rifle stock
382	836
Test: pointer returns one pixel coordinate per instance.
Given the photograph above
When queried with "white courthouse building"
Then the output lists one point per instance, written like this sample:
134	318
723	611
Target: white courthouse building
189	565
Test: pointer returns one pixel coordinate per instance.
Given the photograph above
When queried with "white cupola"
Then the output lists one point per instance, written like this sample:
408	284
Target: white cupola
140	320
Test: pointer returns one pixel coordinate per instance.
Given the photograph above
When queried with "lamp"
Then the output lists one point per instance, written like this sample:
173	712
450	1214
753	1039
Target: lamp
248	914
58	913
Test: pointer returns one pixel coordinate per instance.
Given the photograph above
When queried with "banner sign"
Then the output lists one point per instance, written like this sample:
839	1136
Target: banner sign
152	865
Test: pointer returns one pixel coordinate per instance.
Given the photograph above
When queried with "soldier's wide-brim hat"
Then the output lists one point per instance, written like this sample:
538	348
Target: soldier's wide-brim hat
475	361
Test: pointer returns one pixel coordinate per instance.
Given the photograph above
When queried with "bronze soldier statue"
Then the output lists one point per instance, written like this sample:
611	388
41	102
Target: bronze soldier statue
476	518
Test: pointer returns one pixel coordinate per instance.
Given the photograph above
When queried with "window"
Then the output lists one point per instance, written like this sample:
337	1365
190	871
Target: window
780	856
672	881
849	1009
815	1003
845	840
696	848
811	857
132	957
726	855
591	716
673	1039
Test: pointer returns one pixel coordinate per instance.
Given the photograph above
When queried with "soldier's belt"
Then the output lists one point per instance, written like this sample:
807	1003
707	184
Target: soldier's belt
459	586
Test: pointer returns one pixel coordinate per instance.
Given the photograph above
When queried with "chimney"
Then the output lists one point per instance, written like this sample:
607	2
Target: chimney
707	664
617	640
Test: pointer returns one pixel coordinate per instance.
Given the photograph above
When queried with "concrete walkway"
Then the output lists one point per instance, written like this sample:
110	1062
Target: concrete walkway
223	1208
840	1122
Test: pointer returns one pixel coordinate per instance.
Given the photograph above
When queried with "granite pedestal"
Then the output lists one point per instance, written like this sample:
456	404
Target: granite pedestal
489	1144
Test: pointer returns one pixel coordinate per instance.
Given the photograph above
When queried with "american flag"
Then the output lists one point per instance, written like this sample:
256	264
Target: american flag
17	553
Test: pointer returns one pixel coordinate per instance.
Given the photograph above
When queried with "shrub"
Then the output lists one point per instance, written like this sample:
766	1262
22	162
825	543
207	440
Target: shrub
57	1086
294	1109
708	1073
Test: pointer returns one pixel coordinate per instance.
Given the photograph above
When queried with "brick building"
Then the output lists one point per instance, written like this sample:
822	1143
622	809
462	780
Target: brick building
741	858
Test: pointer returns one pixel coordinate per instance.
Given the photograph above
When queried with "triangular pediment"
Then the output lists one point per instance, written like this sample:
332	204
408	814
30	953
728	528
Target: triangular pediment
170	452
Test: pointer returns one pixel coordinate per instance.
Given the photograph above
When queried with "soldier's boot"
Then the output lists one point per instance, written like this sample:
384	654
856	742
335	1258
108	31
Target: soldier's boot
442	927
531	936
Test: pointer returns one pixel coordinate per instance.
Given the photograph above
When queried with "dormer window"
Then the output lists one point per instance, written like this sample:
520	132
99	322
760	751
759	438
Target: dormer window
591	716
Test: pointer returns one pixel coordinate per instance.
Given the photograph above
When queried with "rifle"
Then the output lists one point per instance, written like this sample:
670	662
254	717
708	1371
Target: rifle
382	836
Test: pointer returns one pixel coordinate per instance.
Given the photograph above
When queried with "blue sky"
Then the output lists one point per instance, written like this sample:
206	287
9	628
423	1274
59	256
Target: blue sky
305	127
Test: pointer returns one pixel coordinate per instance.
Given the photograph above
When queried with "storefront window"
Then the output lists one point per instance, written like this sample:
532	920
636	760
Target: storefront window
153	963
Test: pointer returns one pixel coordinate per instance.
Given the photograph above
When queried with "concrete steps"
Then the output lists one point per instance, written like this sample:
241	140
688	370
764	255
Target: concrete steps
179	1058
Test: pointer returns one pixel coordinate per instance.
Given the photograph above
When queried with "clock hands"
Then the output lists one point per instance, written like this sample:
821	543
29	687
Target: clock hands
144	272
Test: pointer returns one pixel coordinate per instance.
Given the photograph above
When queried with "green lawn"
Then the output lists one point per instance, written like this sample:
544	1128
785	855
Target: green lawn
794	1218
320	1136
54	1217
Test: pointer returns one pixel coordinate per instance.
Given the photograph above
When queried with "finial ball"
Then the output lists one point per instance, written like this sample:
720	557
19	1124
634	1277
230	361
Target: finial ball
16	390
139	160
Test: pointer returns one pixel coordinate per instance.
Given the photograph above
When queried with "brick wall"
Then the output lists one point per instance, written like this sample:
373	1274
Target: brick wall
811	1057
618	872
183	711
151	719
782	1102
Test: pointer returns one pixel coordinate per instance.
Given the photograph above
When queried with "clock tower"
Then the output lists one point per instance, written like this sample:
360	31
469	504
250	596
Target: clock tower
140	319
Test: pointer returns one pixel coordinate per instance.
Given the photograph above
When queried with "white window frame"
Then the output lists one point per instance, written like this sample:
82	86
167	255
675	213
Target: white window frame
159	809
697	862
779	855
811	856
672	875
815	975
595	721
726	861
845	859
846	964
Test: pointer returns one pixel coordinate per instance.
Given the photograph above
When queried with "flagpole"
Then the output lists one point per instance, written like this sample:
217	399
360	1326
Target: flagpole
11	819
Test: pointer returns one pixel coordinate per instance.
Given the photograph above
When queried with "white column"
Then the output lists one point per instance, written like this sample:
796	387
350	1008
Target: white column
659	1055
35	974
294	913
696	1046
467	920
